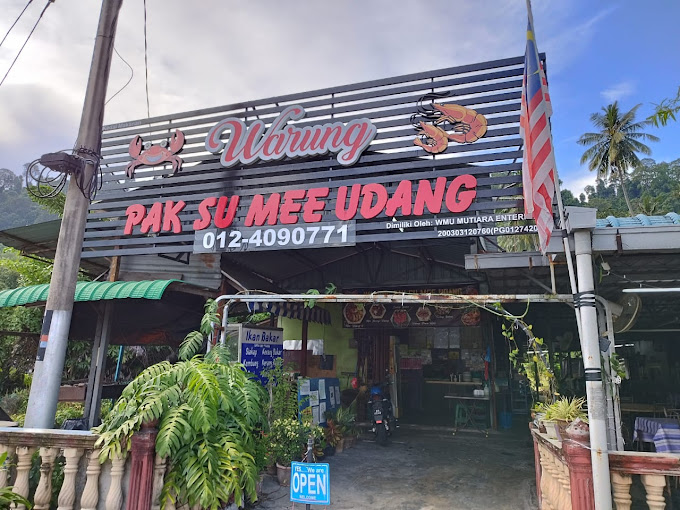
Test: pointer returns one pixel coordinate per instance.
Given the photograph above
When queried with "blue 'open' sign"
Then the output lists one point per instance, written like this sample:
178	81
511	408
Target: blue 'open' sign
310	483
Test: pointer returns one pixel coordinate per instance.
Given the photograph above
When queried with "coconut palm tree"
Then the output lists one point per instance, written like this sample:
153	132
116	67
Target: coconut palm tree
613	149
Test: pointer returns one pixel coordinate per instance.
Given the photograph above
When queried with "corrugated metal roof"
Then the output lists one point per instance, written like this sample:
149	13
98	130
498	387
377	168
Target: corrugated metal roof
88	291
639	220
40	240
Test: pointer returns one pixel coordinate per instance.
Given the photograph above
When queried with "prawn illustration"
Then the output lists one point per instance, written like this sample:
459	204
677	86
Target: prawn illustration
467	125
433	139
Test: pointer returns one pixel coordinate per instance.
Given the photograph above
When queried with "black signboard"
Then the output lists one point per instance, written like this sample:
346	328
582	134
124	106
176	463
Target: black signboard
421	156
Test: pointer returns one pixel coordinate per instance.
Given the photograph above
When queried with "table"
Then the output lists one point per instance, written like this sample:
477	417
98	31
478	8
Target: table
640	408
472	406
663	432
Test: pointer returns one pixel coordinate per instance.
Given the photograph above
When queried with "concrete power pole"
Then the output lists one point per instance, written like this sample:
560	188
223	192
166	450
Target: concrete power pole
42	402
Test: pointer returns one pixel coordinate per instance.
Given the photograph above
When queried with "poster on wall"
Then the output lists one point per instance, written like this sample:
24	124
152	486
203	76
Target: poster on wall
258	348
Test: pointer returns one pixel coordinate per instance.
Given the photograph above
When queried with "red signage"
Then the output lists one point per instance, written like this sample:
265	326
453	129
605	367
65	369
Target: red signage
248	144
365	201
152	155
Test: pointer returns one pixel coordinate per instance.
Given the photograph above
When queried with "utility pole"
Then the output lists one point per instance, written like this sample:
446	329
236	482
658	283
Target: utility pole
42	401
597	405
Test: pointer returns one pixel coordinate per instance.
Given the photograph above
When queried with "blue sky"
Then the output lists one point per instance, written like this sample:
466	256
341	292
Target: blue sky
213	52
632	57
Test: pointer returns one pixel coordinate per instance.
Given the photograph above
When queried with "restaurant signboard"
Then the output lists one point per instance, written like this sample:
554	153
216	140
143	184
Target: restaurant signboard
424	156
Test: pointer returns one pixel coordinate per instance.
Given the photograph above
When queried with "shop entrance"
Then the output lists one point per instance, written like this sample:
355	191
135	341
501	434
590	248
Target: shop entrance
441	375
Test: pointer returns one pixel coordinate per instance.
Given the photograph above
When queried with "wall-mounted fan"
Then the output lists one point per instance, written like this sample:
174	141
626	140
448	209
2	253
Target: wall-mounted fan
625	312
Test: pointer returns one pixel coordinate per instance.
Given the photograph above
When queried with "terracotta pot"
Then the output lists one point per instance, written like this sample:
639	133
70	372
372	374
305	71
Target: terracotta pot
283	475
561	429
340	446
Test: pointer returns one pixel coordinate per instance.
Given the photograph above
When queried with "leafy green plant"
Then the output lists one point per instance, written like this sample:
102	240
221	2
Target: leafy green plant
566	409
287	439
282	389
617	366
9	499
261	454
345	418
209	412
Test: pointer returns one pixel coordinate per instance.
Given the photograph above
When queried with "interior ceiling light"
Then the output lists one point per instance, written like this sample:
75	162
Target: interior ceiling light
649	290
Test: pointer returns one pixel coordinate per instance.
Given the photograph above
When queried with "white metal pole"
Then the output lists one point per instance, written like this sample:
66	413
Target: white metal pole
616	401
590	348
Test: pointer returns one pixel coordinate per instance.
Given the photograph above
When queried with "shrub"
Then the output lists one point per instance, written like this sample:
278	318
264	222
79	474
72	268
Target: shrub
209	412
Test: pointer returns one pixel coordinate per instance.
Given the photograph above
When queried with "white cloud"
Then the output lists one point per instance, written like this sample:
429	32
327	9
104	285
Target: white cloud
577	181
618	91
566	40
213	52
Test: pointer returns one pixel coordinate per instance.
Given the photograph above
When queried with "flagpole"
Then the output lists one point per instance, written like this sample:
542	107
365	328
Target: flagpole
588	335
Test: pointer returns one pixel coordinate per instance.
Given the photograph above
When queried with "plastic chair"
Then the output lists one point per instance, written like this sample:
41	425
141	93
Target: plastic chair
462	416
671	413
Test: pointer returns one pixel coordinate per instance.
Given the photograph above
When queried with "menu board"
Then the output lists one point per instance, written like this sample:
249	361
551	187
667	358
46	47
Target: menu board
379	315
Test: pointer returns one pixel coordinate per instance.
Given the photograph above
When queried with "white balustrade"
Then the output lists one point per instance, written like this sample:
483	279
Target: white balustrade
114	499
158	475
67	494
21	445
654	469
3	468
621	483
24	454
43	494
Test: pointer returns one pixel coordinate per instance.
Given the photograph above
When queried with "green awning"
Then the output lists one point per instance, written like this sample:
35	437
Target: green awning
88	291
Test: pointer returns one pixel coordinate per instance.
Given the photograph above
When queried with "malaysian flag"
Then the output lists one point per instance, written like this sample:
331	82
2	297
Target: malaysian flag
538	162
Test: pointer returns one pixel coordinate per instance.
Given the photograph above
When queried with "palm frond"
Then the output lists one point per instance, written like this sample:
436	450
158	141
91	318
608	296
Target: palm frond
191	344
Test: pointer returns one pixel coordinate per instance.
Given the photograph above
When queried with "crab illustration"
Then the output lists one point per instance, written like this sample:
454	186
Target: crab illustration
153	155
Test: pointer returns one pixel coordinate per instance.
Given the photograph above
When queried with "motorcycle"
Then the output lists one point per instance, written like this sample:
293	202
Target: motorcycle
380	409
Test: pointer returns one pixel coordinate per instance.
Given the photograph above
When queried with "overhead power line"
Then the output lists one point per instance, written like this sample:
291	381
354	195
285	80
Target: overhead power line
26	41
132	74
146	66
16	21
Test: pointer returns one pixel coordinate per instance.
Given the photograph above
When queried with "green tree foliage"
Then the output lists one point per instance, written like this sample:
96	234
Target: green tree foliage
654	189
16	207
614	148
209	412
665	111
18	353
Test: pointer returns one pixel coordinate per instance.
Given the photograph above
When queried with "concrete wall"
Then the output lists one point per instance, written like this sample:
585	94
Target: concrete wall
336	339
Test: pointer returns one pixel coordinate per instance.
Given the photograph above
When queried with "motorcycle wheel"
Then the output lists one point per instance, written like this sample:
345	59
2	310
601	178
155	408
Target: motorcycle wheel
381	434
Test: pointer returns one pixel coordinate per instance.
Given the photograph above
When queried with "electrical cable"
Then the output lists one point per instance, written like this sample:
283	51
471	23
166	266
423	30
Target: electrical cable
132	74
146	65
15	22
26	41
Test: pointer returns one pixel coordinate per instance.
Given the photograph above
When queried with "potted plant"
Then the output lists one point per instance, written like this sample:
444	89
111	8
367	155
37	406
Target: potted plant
286	441
333	435
561	413
346	420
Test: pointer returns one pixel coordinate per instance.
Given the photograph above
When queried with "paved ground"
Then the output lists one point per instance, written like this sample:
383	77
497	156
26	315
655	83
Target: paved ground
428	470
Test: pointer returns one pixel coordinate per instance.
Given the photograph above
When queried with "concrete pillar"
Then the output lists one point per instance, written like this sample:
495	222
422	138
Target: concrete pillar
143	453
580	473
